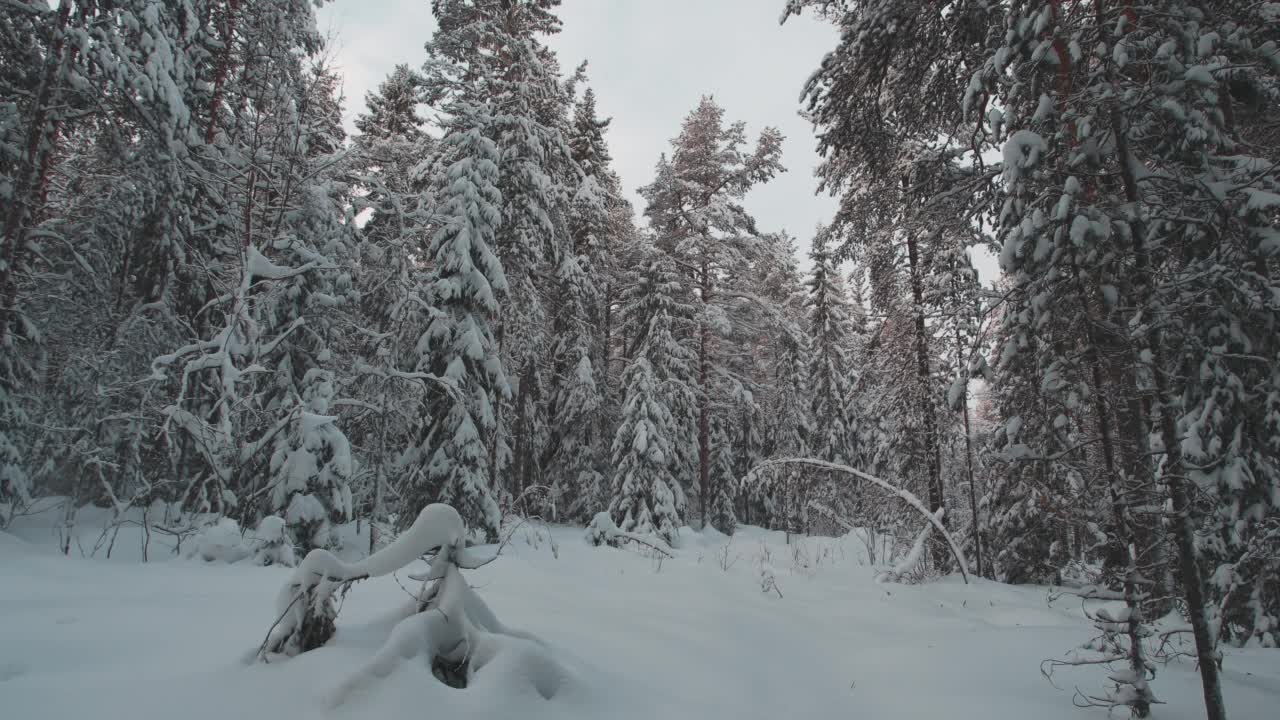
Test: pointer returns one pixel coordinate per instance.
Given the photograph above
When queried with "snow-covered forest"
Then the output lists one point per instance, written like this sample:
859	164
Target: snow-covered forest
232	332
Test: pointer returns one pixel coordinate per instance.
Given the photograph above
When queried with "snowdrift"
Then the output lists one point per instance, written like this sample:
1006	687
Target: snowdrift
623	634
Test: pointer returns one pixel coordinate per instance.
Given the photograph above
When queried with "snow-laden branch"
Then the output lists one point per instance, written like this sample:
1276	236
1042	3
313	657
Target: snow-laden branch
832	516
604	531
905	495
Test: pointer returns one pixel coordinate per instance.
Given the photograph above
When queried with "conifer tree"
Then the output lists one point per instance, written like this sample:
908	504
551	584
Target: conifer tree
312	469
394	162
647	497
284	262
496	48
834	436
449	460
34	68
578	415
693	205
1109	195
657	316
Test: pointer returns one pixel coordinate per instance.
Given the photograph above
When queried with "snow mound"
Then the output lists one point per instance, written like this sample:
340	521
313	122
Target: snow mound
221	541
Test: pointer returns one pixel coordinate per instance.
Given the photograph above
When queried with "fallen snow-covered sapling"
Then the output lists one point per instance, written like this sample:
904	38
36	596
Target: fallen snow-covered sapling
449	625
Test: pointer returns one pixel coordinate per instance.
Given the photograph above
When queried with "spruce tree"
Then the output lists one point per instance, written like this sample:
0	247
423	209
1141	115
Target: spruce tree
834	436
449	459
578	412
646	496
312	469
394	165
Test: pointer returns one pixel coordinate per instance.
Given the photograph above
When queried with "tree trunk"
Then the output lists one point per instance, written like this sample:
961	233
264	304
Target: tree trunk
704	399
932	451
606	349
975	531
1174	468
1119	494
380	475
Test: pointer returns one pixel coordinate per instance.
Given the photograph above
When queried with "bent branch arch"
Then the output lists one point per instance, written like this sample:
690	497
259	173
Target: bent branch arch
905	495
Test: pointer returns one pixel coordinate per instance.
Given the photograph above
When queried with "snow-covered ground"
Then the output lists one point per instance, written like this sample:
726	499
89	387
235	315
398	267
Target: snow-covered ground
635	638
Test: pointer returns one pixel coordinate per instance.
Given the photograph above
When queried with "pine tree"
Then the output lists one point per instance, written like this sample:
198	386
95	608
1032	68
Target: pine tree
957	297
886	105
723	475
1094	213
34	65
783	493
276	272
693	205
391	113
198	229
658	386
1036	507
496	49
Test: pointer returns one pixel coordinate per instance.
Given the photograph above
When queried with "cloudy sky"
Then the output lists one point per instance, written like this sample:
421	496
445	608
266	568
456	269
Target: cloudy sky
650	62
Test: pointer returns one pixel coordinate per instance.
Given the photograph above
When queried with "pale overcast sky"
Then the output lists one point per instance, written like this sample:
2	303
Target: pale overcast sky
650	62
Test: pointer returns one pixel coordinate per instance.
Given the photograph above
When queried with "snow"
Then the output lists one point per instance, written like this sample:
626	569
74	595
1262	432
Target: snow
220	542
1261	200
622	636
1201	75
1022	152
1043	110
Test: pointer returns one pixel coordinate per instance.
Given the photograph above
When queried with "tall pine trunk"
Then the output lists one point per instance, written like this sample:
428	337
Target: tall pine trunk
923	396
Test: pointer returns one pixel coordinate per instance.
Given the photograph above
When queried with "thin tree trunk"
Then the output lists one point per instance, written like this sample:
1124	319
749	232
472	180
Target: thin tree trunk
1120	510
1174	468
704	400
606	379
968	466
496	432
380	475
526	465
